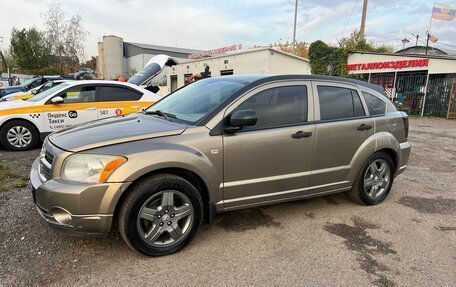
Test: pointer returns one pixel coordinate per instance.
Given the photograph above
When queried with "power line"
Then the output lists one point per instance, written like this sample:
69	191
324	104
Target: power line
349	18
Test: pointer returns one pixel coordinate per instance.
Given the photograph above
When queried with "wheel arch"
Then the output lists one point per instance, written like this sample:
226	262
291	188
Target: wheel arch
381	141
192	177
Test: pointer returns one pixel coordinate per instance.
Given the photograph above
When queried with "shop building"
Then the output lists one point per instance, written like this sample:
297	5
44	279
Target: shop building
420	84
250	61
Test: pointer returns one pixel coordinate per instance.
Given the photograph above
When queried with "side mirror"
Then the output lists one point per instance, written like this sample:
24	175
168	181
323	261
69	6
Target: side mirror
57	100
33	91
240	119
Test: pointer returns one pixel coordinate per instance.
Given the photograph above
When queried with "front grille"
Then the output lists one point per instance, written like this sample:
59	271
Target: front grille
46	160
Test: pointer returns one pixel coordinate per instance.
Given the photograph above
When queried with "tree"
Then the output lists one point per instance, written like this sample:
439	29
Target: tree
65	36
301	48
29	49
91	64
332	60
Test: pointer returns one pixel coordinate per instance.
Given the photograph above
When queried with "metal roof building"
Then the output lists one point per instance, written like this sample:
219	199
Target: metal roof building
118	58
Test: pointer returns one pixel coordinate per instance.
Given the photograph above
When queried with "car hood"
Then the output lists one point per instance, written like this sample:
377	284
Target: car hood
153	67
114	130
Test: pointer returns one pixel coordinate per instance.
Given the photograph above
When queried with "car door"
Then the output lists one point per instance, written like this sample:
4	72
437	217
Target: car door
342	126
79	106
119	100
270	161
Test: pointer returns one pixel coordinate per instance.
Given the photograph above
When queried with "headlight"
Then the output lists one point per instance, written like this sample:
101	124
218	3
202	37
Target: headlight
90	168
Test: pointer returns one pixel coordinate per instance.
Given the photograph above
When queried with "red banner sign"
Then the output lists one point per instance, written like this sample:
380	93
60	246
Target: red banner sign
215	51
400	64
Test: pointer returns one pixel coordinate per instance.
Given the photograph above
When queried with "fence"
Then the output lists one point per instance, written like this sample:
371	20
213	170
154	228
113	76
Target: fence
420	94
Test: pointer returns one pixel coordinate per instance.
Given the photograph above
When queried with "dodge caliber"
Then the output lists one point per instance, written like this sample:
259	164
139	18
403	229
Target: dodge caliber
216	145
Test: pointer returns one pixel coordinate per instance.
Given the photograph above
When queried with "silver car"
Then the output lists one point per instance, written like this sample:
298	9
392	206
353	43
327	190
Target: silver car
215	145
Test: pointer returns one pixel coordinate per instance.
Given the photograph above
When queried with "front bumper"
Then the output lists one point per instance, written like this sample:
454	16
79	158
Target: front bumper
404	157
75	208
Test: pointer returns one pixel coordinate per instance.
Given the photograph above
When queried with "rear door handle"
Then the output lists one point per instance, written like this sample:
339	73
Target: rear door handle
364	127
301	134
91	109
135	107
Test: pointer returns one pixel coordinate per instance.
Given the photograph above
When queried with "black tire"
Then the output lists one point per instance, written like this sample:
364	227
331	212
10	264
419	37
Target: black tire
22	124
359	194
144	191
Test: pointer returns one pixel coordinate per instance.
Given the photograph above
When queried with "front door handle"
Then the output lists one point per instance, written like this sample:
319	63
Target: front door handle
364	127
91	108
301	134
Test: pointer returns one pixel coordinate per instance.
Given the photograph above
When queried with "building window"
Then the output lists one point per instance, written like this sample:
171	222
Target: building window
226	72
225	62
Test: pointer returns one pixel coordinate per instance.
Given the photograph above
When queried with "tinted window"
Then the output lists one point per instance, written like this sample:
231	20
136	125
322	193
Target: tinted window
79	95
374	104
339	103
112	94
198	99
278	106
358	109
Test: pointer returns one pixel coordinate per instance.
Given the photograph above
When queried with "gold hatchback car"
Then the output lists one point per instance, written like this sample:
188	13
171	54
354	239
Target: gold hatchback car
220	144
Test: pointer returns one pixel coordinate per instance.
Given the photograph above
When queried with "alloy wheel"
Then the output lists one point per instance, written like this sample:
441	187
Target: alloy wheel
377	178
165	218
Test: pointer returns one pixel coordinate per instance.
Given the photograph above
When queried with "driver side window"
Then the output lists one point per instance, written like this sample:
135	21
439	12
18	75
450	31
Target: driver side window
83	94
281	106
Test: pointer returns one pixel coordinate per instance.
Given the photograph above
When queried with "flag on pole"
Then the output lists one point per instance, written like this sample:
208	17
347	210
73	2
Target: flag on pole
405	41
443	12
432	38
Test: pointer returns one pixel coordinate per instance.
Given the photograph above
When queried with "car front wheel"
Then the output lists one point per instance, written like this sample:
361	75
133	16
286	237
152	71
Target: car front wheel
161	215
19	135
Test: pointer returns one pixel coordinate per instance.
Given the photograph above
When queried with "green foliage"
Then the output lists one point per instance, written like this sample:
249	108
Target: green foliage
332	60
29	49
91	64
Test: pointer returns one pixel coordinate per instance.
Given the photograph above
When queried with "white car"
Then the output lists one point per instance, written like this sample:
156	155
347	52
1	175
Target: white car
30	93
24	123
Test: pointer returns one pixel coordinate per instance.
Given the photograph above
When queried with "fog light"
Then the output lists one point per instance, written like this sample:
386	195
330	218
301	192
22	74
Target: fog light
61	216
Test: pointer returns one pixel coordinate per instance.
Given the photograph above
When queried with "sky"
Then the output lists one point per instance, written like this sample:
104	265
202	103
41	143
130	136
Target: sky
204	25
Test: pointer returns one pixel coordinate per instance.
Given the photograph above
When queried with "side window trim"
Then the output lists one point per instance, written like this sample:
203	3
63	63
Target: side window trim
97	88
101	86
216	123
315	85
310	102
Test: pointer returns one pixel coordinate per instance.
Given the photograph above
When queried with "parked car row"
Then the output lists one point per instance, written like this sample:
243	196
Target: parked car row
51	104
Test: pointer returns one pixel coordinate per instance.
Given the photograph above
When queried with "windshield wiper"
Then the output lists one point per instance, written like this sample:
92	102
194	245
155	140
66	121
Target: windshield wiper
160	113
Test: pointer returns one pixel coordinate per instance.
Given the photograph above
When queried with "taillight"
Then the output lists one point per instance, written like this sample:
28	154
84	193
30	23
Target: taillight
406	124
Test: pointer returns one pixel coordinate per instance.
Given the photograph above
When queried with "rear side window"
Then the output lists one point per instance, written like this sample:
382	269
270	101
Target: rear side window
278	106
79	94
115	94
339	103
375	106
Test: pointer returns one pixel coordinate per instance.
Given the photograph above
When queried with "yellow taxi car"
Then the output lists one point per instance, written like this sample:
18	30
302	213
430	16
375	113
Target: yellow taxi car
24	123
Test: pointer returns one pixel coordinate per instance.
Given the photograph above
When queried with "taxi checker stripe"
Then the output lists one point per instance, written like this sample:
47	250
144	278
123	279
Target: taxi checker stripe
68	107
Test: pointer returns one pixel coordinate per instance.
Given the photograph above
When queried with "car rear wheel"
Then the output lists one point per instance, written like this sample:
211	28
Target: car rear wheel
19	135
374	180
161	215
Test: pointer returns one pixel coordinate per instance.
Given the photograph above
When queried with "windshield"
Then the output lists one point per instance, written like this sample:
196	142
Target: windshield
197	100
45	94
28	82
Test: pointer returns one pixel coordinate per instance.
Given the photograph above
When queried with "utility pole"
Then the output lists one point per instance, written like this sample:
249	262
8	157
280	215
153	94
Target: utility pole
417	38
294	28
363	21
